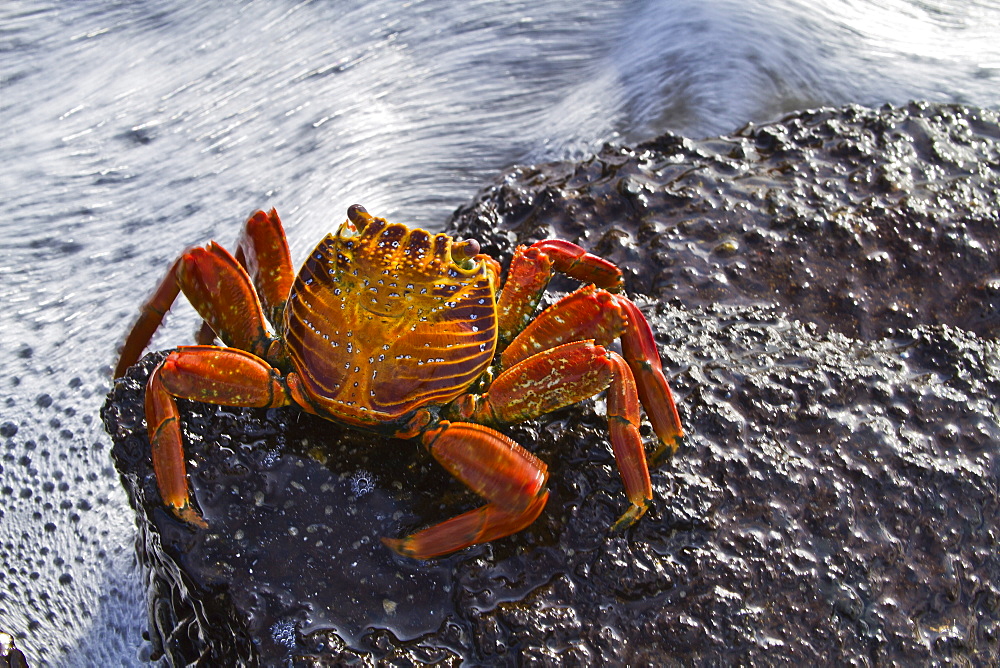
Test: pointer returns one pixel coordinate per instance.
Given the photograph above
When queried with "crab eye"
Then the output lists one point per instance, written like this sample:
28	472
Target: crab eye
464	250
358	215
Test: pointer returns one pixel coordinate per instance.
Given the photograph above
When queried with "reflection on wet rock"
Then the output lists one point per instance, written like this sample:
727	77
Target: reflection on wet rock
821	292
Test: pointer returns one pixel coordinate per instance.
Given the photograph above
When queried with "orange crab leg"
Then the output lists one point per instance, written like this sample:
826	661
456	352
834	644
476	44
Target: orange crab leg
545	382
527	277
210	374
224	376
219	289
510	478
592	313
530	270
164	426
587	314
263	251
639	348
565	375
623	423
150	316
572	260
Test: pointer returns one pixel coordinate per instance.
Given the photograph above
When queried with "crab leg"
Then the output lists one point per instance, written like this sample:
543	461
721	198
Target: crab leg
263	251
219	289
163	423
510	478
224	376
565	375
623	423
573	261
589	313
532	267
639	349
150	316
592	313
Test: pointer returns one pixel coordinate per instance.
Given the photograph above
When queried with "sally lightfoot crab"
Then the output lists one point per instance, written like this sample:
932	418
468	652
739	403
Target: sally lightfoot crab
396	331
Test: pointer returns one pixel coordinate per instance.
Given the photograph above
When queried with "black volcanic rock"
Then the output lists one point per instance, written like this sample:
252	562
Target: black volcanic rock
824	290
858	220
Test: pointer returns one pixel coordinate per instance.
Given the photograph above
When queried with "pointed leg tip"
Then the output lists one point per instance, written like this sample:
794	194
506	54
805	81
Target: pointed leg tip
401	547
666	449
394	544
630	517
188	514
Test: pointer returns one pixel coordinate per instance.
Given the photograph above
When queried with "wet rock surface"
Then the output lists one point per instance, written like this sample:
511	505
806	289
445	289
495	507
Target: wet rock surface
824	292
858	220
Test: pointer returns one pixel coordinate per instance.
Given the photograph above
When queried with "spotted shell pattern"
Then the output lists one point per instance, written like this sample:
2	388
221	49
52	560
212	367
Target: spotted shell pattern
384	321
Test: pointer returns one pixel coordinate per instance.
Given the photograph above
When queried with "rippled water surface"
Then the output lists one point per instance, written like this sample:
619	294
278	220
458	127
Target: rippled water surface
133	129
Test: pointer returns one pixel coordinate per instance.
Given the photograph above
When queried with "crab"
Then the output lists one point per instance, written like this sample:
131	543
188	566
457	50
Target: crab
405	333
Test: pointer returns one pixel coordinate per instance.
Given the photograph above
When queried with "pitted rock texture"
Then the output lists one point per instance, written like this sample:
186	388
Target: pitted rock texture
836	499
859	220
